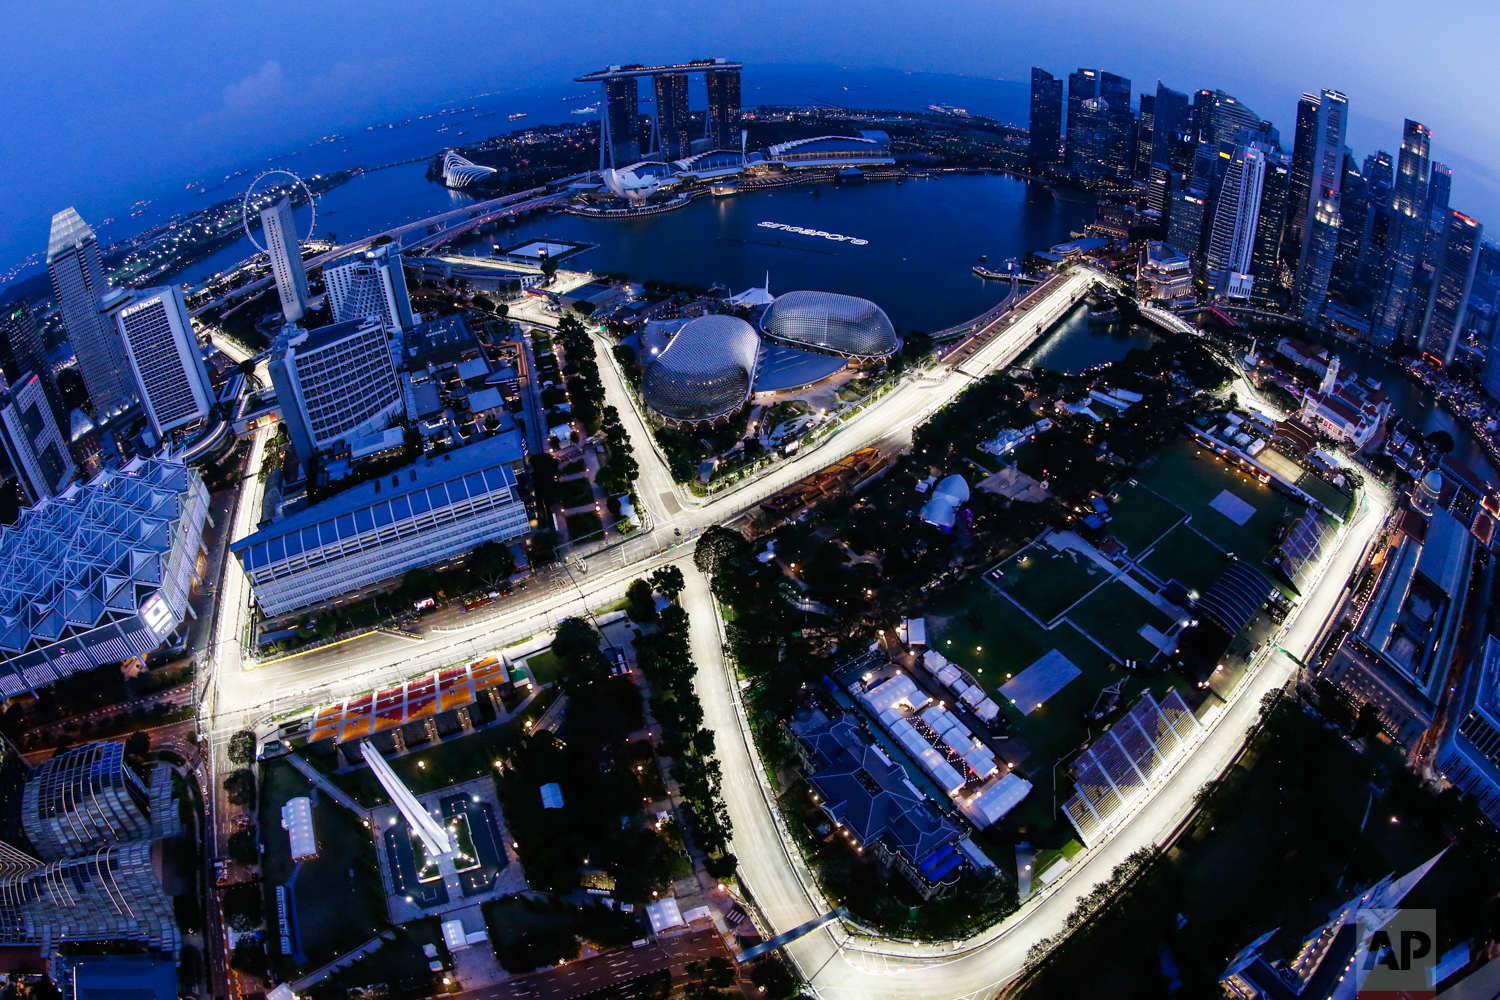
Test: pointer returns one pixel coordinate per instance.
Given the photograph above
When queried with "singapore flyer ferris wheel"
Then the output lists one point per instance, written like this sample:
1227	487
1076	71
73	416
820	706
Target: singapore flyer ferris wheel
246	207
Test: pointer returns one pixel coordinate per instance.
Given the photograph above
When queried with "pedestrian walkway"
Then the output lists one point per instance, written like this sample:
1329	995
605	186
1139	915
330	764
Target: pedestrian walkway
327	787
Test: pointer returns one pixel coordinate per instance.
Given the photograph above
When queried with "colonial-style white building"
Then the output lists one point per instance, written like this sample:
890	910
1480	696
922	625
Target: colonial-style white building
1350	408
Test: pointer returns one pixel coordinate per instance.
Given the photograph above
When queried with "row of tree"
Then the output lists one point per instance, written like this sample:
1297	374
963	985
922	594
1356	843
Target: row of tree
667	660
586	391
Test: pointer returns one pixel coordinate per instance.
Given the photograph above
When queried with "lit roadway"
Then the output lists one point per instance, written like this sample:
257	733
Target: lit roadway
838	964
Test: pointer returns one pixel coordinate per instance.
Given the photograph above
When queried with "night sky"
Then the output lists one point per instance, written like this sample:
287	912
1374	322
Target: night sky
105	104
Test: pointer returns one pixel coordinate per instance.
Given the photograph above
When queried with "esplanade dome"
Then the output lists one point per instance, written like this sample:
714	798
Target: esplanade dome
705	373
832	324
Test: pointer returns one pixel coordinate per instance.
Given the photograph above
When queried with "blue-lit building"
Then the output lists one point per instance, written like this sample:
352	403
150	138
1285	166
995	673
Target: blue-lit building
99	573
1469	754
875	807
433	511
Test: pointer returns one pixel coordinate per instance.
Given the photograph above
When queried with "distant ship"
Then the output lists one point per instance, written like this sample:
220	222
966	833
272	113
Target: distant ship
487	114
586	111
948	109
724	190
519	114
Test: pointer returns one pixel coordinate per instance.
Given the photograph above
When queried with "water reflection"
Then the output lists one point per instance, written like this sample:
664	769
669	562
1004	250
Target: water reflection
1077	346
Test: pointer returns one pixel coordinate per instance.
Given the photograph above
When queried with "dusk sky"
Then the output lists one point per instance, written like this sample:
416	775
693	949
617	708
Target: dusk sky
109	103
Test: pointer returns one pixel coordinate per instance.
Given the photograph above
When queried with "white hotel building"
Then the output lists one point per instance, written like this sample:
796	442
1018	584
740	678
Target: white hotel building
432	511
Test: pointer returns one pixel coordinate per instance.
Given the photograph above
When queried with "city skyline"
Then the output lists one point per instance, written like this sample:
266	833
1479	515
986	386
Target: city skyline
262	97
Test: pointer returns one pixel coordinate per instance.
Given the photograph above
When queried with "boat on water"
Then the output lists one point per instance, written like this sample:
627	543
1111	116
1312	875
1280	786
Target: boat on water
724	190
517	115
1103	317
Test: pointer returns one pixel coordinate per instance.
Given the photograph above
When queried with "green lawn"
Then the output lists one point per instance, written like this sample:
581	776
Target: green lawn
1114	614
546	667
575	492
584	524
1047	582
1191	478
1187	557
1140	517
1325	494
340	903
987	635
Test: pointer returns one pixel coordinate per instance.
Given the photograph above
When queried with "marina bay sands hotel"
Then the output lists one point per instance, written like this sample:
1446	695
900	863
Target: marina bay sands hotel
621	143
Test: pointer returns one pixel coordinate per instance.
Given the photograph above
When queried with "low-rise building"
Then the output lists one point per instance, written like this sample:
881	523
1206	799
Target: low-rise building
874	805
435	510
1398	654
1166	271
1469	754
1348	407
1310	356
868	148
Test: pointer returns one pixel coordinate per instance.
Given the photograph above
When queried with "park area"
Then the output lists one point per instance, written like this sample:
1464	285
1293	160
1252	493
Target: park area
339	902
1192	479
987	635
1179	519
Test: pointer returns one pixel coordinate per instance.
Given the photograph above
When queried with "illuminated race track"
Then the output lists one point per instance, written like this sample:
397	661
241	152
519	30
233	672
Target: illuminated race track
838	960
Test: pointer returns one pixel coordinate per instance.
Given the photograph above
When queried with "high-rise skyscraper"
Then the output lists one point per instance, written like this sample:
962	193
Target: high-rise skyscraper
22	352
1320	241
1266	257
1354	208
1185	229
1452	282
285	250
674	138
1231	243
78	282
1084	119
1304	145
1202	116
369	283
1045	146
1229	115
335	383
622	102
1182	152
1377	168
1160	186
36	449
723	117
165	358
1170	118
1439	190
1408	239
1119	127
1145	128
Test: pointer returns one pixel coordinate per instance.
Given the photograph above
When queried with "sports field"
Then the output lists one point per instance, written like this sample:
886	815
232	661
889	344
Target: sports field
1114	614
1192	478
1141	517
1046	582
1187	557
989	636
